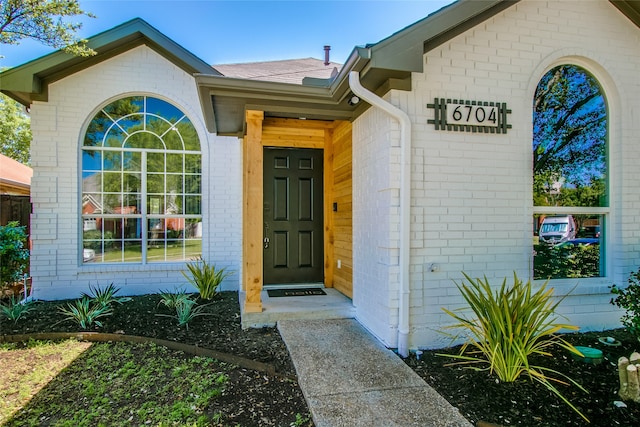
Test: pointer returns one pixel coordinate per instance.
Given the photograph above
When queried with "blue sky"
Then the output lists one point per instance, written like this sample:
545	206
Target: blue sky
223	32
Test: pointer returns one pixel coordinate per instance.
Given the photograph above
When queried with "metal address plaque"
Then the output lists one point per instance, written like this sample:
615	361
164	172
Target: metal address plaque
469	116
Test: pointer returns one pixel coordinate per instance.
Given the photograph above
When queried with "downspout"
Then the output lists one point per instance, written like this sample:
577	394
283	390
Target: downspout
405	202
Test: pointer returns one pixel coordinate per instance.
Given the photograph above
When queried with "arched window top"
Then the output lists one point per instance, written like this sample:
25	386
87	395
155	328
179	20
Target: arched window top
138	122
569	139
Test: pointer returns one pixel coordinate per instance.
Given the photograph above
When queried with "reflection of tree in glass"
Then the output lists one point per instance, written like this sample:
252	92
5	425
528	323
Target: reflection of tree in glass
105	118
557	262
569	139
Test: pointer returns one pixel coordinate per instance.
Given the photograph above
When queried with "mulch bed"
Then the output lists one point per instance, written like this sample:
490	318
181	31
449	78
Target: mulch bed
480	397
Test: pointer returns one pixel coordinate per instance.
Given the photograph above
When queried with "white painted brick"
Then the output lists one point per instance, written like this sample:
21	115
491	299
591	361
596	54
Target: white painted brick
477	193
57	127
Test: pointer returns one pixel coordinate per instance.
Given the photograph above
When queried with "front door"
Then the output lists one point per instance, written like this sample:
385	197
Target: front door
293	216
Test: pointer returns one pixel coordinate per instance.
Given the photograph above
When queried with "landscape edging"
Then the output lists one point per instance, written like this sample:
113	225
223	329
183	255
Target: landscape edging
173	345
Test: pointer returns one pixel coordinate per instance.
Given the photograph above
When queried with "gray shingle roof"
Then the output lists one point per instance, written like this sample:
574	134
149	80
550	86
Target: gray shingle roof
285	71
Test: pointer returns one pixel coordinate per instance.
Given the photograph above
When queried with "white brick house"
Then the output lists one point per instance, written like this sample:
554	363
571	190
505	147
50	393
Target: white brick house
397	229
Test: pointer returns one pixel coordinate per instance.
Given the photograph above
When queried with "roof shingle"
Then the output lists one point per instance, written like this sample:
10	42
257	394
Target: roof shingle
284	71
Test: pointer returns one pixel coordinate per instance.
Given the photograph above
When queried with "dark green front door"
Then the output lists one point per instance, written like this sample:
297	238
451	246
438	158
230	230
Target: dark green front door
293	216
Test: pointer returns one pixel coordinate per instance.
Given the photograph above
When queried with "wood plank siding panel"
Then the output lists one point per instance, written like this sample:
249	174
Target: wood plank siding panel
343	218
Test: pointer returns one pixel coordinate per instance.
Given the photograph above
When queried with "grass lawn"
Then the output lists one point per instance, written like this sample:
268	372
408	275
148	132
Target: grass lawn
109	384
25	371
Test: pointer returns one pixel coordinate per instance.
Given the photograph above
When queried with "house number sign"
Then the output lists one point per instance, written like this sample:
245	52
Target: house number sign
469	116
472	115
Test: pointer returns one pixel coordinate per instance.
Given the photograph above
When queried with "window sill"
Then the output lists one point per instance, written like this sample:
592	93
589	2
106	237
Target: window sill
578	286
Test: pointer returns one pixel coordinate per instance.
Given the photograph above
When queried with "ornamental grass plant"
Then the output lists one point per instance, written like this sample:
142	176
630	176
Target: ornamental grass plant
186	309
173	299
85	312
105	296
14	309
510	324
205	277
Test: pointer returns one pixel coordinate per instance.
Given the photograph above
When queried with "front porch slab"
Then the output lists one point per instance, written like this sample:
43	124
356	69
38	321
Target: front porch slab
333	305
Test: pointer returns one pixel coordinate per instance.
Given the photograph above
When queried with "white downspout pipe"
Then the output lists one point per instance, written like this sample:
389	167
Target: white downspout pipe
405	202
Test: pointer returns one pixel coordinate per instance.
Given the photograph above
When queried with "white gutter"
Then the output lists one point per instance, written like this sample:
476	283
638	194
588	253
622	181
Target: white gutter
405	202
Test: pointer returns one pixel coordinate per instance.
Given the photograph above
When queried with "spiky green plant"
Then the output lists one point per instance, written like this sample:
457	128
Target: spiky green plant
85	312
187	310
15	309
205	277
172	299
508	326
105	296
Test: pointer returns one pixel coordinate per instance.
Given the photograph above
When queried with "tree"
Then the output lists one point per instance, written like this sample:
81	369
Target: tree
43	20
15	132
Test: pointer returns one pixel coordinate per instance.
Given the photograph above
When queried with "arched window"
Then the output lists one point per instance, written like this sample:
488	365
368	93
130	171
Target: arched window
570	195
141	184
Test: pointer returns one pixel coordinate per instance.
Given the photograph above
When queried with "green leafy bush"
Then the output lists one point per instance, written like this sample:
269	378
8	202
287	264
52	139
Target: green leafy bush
94	239
205	277
14	254
508	326
557	262
629	299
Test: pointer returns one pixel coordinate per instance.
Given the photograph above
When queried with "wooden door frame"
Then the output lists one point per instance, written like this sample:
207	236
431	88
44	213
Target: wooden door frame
300	134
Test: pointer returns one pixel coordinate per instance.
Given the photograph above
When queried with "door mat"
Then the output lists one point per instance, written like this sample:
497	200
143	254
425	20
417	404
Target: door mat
300	292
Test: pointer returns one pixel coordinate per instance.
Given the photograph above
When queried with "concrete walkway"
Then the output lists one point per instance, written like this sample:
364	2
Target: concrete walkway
349	379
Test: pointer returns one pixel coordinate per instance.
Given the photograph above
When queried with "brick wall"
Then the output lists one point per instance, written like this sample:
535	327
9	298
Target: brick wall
471	205
58	126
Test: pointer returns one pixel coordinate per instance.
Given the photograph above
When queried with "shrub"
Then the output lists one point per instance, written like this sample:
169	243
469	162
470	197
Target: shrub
510	325
629	299
556	262
14	255
205	277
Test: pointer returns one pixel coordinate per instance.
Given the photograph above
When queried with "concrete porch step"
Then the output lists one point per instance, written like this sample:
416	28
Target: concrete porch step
333	305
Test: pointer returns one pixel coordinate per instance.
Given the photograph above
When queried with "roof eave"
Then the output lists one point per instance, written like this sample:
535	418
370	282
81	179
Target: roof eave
8	186
235	96
29	82
630	8
404	50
